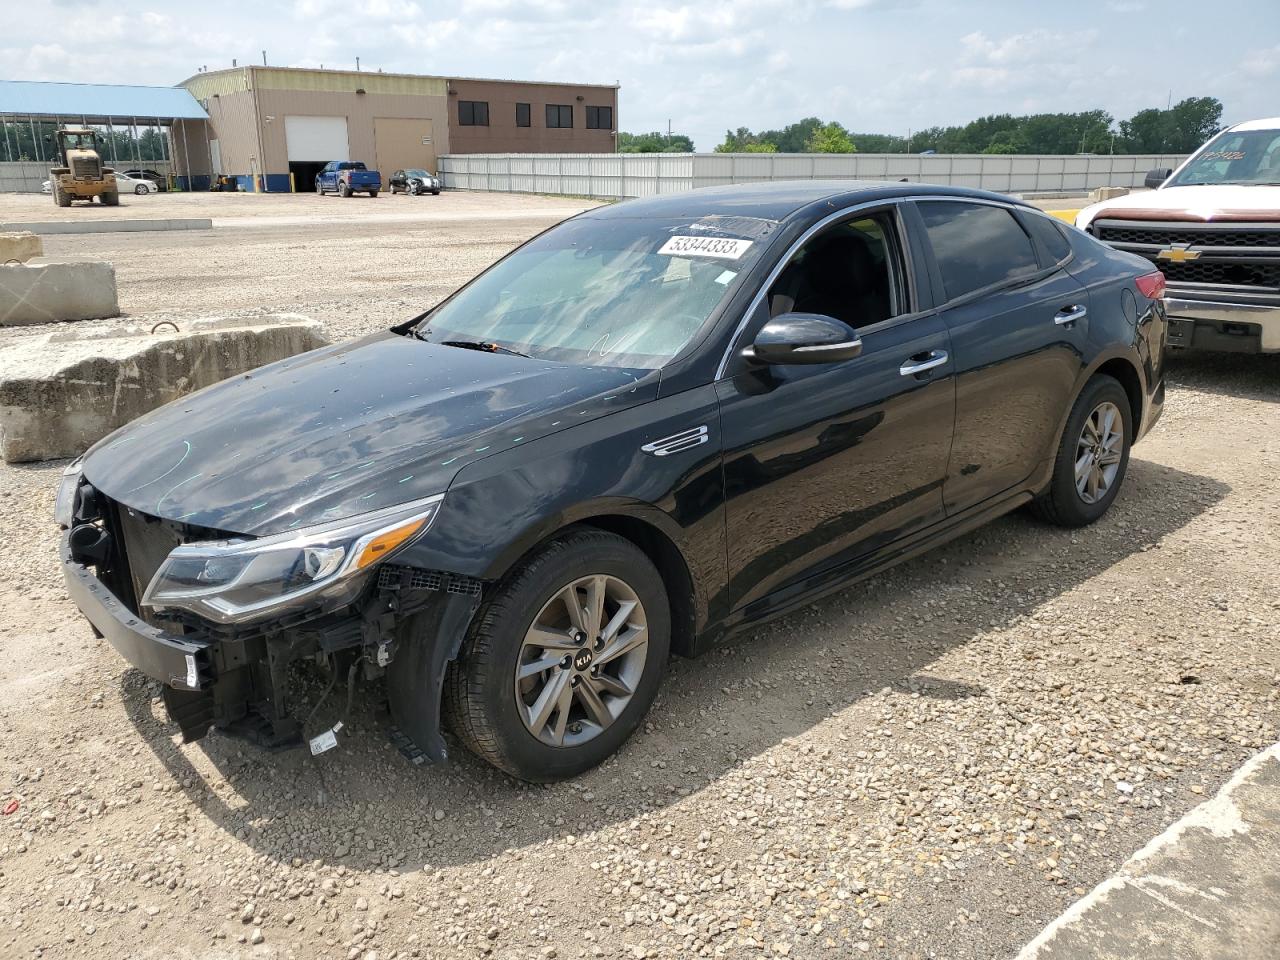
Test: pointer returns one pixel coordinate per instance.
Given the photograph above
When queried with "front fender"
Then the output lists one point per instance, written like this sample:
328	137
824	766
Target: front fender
498	509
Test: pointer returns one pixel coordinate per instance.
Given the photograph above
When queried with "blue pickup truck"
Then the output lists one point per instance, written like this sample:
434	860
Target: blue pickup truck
345	177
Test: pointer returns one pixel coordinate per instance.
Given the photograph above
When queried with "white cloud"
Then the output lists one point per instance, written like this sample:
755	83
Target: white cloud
874	65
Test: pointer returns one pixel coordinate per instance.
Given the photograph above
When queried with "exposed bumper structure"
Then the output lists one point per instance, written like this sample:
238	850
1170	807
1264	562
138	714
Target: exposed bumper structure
408	624
175	661
1220	325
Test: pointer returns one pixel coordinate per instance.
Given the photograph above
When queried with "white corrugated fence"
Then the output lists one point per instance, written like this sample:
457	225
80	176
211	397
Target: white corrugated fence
26	176
618	175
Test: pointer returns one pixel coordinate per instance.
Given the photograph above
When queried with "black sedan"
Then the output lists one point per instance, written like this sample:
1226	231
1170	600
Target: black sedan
647	429
415	182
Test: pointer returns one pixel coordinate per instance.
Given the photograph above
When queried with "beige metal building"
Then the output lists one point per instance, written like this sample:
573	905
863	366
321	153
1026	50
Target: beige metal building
273	128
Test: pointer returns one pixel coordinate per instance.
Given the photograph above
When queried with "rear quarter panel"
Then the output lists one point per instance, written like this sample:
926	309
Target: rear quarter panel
1123	324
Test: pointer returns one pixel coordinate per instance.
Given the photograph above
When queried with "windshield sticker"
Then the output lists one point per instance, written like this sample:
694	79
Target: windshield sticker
719	247
725	277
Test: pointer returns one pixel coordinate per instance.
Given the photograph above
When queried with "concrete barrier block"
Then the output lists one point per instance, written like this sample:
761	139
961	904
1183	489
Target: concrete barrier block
20	246
60	392
1106	193
52	292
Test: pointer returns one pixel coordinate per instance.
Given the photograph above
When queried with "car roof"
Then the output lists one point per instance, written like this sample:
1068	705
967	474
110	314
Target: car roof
1269	123
778	199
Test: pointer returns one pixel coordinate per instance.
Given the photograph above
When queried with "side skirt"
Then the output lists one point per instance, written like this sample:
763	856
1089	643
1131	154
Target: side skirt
784	601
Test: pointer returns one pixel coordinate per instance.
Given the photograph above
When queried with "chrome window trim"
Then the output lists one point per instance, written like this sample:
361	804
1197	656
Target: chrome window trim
893	204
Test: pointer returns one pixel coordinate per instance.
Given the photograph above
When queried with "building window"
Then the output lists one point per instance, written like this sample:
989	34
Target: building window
473	113
599	118
522	115
559	115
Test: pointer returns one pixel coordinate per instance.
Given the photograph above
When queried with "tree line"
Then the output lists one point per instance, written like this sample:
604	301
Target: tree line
1181	128
34	141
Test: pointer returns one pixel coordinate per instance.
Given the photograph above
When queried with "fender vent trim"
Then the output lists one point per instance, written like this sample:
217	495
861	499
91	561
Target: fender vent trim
678	442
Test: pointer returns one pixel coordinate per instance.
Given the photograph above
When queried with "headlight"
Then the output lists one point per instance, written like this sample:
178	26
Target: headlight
230	581
64	507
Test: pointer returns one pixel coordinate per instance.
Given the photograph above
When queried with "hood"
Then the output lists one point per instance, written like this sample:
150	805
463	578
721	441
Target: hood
345	430
1208	203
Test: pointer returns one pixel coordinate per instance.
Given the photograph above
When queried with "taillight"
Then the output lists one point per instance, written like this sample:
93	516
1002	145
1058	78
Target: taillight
1151	285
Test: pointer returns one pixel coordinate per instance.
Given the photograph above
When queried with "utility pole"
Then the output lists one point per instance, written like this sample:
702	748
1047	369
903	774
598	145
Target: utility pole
264	58
357	64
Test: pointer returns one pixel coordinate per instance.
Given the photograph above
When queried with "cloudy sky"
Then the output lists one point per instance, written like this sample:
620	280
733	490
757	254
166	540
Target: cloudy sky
874	65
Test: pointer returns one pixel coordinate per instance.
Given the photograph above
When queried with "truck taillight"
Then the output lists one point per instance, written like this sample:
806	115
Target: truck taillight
1151	285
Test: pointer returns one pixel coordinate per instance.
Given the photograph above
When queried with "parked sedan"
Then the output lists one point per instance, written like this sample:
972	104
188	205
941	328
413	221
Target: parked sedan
415	182
152	176
124	184
138	185
651	427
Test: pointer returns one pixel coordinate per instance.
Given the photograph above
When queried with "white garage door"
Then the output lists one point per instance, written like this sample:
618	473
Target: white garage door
316	139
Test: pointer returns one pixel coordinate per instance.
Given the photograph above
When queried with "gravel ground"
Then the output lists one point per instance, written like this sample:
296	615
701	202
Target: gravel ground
933	763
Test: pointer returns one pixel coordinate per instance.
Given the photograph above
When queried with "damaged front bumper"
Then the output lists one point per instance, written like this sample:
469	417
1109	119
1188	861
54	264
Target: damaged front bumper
407	625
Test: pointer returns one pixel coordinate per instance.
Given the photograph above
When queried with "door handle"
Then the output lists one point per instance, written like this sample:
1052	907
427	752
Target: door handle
1069	315
934	358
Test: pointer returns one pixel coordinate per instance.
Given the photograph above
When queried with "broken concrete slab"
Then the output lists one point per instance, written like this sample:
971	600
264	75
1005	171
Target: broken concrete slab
1207	888
60	392
20	247
33	293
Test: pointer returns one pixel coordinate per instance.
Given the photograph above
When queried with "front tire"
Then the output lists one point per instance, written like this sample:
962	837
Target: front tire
110	199
139	190
1093	456
545	693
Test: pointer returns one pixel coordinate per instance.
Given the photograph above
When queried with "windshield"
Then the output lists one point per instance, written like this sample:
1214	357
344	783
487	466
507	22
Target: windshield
1245	157
416	173
610	292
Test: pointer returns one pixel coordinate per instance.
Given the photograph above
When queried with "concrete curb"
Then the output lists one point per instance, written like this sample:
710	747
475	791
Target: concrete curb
1201	890
110	226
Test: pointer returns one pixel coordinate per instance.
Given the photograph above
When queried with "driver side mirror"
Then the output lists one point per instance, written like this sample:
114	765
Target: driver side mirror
1156	177
804	338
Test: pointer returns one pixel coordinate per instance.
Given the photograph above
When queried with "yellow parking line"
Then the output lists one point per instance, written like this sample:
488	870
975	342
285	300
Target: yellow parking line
1068	215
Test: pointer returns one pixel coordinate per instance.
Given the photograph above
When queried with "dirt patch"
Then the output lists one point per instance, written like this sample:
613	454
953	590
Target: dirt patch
933	763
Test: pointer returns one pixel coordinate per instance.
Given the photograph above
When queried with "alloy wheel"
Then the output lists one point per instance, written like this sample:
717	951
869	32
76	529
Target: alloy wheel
1098	452
581	660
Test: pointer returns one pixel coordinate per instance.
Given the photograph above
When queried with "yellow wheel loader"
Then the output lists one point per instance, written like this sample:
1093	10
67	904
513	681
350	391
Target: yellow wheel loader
81	175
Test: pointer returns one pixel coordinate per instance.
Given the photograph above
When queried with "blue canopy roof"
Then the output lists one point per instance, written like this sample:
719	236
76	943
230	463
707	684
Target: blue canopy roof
98	100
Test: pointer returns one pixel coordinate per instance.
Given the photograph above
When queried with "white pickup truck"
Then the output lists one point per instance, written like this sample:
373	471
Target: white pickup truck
1213	228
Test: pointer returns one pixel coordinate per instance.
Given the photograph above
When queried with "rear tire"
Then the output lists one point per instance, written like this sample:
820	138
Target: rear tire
344	191
60	197
1092	460
526	623
373	194
111	199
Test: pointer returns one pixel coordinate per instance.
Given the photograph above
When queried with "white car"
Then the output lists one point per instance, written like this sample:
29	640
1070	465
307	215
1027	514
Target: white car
1213	228
136	185
123	185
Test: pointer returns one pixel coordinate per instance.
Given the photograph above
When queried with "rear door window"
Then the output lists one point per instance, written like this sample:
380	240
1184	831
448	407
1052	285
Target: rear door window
976	245
1051	236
